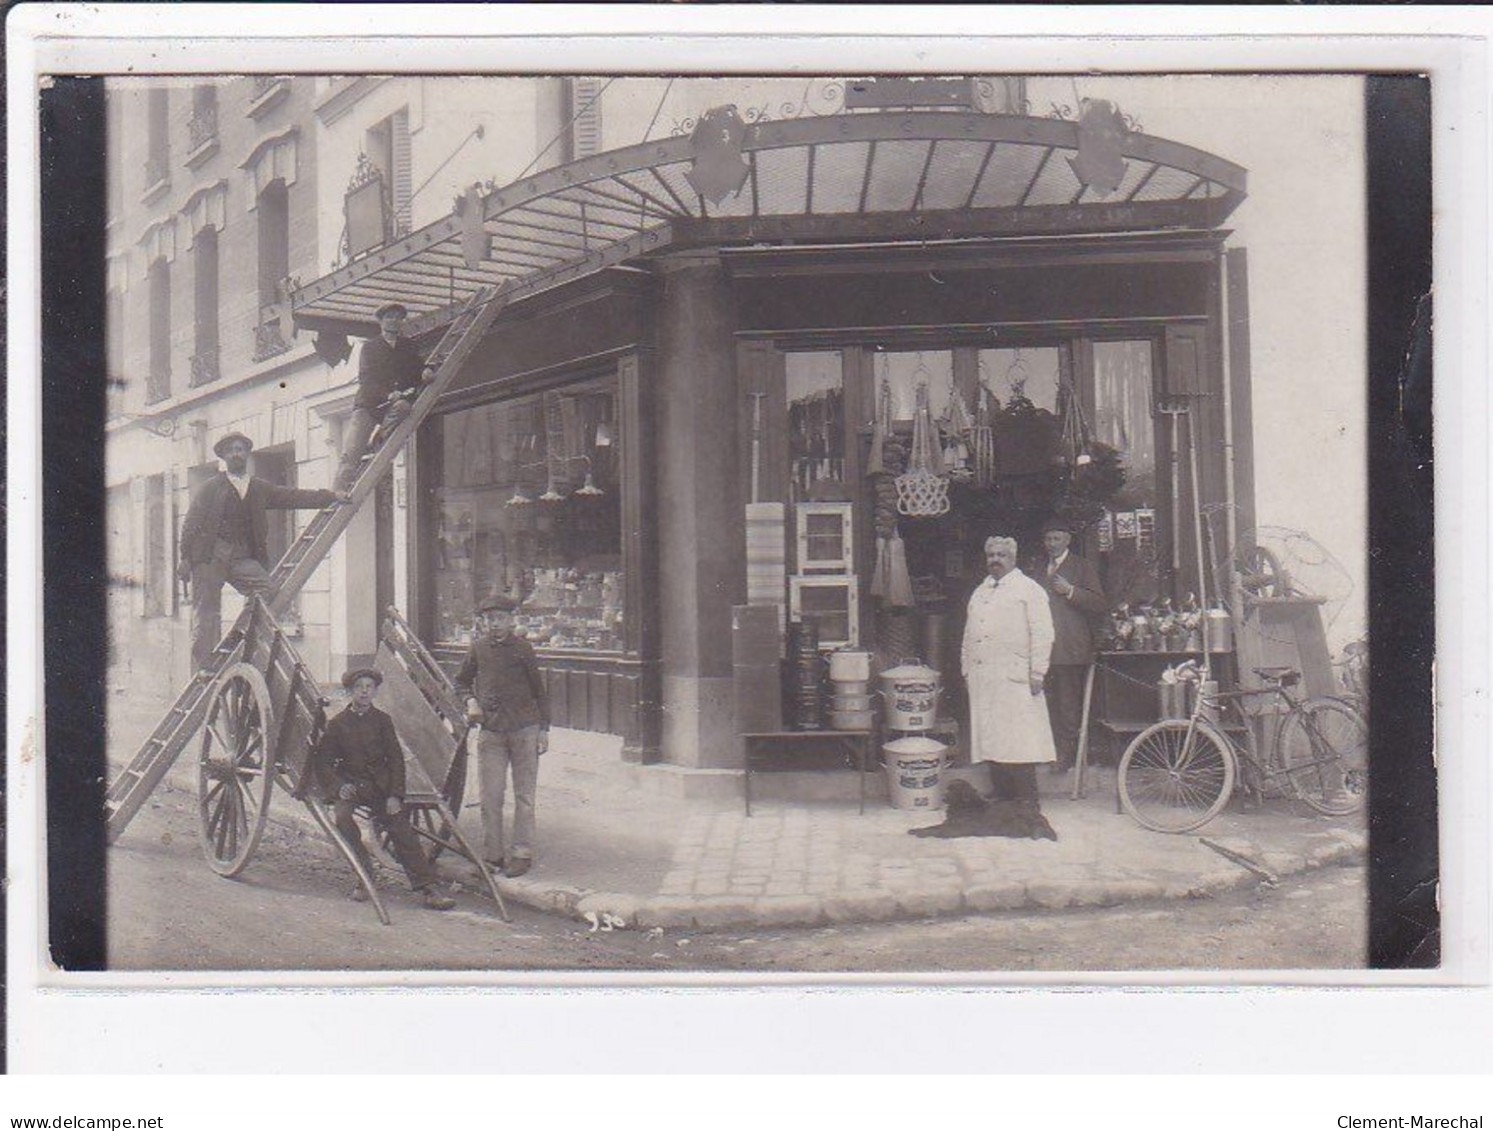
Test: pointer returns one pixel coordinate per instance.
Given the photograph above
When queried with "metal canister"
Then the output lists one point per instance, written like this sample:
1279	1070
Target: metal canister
1220	630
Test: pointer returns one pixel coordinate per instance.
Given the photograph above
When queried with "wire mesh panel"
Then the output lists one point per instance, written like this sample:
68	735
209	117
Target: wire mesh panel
1007	175
951	177
839	173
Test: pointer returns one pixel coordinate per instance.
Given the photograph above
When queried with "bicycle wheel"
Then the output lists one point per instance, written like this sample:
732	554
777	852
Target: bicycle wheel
1176	776
1322	748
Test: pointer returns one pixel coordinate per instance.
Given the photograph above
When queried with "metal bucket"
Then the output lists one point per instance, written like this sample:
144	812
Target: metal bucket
914	772
1220	630
910	693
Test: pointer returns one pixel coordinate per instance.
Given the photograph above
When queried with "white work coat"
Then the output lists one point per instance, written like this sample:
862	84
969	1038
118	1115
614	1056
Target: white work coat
1007	644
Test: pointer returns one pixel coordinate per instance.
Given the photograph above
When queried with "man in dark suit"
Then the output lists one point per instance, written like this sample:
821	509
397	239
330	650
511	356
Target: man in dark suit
1077	601
360	762
390	372
225	534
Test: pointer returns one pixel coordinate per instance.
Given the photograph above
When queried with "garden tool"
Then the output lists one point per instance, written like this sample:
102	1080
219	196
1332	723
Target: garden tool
1174	409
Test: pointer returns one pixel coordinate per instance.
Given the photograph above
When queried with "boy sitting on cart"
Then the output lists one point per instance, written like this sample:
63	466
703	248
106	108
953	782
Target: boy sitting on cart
361	763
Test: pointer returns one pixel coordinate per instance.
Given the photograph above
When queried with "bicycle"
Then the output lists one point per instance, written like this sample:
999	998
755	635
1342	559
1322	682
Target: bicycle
1178	774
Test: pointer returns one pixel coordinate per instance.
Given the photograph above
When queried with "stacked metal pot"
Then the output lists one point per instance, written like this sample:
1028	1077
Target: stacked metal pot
805	676
850	681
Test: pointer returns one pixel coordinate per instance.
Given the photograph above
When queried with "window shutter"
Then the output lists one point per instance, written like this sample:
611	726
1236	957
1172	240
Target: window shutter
400	173
587	129
140	535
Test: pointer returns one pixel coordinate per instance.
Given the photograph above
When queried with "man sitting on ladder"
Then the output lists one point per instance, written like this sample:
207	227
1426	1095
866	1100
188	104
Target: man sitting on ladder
390	373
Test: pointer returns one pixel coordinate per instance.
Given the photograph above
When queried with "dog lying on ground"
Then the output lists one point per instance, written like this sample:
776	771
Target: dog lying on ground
969	814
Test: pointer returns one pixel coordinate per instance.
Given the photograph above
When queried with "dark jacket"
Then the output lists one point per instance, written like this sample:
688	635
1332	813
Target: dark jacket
205	514
362	752
383	368
1075	618
504	677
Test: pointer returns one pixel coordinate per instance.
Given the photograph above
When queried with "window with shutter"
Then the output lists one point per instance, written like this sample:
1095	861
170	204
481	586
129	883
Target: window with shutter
205	307
158	381
584	98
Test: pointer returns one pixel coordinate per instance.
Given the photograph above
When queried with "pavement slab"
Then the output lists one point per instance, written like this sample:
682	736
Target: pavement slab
651	858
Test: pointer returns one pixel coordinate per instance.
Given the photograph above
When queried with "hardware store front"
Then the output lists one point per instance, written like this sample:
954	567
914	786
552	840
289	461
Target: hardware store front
599	454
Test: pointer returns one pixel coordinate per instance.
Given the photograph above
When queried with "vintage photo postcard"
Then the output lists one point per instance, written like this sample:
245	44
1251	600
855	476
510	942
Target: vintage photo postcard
905	523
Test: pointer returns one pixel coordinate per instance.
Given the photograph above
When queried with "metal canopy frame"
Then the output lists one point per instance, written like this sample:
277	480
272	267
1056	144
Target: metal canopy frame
914	175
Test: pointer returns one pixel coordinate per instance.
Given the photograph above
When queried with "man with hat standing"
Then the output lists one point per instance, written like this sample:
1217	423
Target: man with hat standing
225	535
504	691
1077	599
360	762
390	371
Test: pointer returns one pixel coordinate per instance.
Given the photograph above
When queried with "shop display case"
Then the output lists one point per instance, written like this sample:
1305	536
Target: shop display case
825	542
832	602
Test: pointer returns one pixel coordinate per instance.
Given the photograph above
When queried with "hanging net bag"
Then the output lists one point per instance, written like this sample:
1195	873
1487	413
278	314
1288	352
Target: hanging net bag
922	493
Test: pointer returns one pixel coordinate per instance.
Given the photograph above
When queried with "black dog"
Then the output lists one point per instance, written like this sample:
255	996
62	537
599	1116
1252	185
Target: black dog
969	814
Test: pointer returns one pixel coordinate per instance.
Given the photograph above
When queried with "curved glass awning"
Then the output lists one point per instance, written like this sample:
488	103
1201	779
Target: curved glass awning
845	177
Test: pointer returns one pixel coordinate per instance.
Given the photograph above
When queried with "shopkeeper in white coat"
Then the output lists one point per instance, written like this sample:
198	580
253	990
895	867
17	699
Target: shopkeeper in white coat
1007	648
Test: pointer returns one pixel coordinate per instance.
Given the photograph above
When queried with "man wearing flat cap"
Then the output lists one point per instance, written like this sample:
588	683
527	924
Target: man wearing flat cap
1077	600
504	692
360	762
225	534
390	372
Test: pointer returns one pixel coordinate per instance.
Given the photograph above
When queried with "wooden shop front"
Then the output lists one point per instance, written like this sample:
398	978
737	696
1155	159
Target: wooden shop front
692	355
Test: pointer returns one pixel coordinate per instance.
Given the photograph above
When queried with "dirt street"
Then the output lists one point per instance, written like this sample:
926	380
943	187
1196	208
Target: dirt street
290	910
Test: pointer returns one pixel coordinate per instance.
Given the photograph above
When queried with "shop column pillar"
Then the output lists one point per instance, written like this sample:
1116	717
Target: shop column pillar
700	522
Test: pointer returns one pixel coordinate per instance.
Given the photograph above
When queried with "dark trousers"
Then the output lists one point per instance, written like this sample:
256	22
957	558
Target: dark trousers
1015	781
229	564
405	841
360	428
1063	689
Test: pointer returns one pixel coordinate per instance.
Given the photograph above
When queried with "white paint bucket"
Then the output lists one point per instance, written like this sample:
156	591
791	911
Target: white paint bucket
914	772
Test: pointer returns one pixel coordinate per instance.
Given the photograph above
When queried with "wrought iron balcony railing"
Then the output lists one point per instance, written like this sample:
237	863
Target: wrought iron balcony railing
267	339
158	384
205	366
202	126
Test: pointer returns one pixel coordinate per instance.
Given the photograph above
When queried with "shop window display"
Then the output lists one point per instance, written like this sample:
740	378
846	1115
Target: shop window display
528	507
904	371
816	425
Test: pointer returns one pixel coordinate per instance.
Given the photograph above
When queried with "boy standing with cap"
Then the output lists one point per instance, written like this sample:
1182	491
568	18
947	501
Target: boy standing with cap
225	534
362	764
389	366
504	691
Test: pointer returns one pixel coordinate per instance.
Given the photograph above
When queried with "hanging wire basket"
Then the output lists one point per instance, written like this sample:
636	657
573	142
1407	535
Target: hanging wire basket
921	492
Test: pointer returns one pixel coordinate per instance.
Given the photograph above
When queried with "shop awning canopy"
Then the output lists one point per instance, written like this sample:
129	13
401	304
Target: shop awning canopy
846	177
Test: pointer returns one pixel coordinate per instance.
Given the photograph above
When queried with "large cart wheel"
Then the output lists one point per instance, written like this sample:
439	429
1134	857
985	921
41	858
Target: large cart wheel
1323	748
1260	573
1176	776
235	769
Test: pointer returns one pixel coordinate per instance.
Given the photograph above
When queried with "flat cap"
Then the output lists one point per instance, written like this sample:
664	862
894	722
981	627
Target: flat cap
351	677
1056	523
497	605
224	441
392	308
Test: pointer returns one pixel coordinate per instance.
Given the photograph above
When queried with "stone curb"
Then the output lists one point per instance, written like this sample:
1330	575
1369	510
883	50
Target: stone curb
1333	847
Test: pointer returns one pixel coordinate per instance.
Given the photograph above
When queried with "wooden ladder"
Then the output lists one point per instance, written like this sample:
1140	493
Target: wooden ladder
129	791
